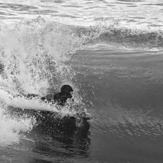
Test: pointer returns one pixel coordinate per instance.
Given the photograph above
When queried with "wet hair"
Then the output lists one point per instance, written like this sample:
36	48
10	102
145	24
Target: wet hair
66	89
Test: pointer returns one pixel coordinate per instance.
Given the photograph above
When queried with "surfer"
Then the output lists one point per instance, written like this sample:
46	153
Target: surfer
59	98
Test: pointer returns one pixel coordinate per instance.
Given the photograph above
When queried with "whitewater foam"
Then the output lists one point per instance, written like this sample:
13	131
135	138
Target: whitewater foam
33	54
13	129
33	58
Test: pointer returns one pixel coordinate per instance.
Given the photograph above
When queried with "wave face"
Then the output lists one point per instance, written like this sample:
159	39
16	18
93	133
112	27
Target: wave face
116	73
123	92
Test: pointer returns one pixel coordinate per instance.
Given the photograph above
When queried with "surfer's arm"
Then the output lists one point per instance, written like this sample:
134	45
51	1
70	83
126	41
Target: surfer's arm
30	95
47	98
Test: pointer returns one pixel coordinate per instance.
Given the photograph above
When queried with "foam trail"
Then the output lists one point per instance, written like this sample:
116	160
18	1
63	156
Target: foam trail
20	102
36	104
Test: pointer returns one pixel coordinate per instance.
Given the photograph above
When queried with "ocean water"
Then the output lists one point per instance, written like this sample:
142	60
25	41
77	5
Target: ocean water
110	51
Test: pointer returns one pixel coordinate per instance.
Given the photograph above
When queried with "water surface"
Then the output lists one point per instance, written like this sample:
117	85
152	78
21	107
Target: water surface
110	52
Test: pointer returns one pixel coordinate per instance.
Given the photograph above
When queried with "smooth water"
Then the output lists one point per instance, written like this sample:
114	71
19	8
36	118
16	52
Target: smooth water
110	51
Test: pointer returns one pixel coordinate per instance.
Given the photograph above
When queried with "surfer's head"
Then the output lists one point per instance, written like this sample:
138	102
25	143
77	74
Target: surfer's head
66	89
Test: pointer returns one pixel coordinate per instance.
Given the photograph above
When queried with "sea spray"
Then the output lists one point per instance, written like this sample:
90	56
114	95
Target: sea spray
33	59
13	129
33	54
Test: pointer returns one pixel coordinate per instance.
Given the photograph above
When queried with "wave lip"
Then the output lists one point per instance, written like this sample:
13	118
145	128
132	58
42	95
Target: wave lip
134	38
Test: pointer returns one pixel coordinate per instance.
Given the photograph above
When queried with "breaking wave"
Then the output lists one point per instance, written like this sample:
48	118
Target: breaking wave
34	57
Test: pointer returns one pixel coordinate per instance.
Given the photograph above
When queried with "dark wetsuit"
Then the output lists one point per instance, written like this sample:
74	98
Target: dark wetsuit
61	98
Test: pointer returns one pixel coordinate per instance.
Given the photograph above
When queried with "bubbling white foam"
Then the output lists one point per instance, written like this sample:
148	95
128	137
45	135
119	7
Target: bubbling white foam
33	55
12	130
33	59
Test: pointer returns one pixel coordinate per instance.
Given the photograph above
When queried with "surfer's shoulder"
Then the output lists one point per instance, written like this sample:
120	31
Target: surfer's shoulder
57	96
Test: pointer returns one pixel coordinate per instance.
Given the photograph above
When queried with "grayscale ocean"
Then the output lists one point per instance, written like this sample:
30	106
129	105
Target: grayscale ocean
110	52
